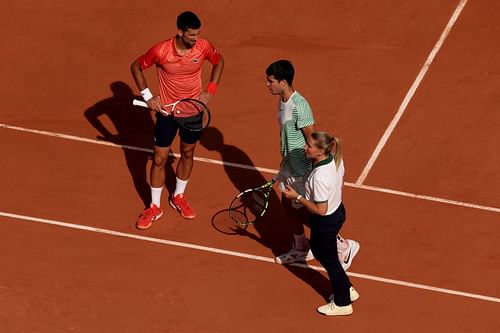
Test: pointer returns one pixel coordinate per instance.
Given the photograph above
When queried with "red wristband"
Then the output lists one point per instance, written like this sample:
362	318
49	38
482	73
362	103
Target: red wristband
211	88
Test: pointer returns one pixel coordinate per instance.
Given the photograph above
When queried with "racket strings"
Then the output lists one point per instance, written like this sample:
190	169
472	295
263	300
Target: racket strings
248	207
192	115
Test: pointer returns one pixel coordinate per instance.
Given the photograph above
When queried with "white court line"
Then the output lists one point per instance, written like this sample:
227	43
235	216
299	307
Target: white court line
425	197
410	93
249	167
244	255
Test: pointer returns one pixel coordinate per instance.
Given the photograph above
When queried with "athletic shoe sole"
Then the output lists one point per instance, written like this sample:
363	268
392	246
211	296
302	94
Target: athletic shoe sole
333	310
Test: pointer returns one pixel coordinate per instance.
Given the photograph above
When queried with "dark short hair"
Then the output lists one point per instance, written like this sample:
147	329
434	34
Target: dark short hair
188	20
281	70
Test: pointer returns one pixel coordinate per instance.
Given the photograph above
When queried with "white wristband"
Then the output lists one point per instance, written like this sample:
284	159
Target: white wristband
146	94
297	200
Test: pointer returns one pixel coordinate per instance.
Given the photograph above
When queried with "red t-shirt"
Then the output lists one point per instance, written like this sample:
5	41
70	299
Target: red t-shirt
179	75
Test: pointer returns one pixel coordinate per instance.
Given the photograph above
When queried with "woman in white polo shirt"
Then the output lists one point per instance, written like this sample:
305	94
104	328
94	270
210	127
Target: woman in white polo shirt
323	199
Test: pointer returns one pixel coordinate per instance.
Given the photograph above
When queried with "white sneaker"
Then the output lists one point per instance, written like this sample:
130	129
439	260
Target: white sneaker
354	295
293	256
331	309
351	252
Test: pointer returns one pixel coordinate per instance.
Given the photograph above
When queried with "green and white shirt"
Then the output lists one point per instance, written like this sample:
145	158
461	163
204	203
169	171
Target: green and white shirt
294	114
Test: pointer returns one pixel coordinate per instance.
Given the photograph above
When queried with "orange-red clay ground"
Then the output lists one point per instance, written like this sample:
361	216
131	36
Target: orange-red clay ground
65	68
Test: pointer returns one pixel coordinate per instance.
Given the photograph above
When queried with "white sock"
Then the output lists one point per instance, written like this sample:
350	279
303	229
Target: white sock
180	186
156	195
300	242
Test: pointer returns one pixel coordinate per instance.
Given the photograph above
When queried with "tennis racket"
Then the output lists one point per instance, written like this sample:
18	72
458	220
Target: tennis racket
250	205
189	113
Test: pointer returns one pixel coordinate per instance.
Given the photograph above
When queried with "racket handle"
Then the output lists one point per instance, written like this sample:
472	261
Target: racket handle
140	103
282	186
143	104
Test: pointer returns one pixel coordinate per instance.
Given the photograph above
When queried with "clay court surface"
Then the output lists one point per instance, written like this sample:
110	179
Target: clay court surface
411	87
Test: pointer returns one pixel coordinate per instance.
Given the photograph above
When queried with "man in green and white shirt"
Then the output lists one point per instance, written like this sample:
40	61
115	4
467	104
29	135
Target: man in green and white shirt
296	120
296	126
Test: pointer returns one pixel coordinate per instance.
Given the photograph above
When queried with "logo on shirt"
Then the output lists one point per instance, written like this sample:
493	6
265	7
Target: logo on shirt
195	60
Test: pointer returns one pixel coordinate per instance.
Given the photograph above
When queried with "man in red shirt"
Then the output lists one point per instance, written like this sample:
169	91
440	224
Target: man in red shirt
178	62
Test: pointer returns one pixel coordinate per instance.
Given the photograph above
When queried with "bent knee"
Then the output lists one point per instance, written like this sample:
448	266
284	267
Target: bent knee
159	161
187	152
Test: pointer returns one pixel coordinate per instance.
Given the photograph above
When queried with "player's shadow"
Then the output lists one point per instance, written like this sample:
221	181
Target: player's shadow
272	230
242	179
133	130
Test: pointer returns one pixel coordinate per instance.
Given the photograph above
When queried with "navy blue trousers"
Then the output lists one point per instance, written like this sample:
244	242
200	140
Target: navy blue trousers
324	230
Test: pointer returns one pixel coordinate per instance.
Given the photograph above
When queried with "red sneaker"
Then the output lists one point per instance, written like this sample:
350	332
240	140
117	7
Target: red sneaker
180	203
147	217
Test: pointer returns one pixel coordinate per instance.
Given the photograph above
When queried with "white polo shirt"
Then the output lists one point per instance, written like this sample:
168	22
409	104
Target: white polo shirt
324	184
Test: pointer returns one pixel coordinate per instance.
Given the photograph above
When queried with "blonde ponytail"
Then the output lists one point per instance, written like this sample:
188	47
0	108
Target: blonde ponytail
337	155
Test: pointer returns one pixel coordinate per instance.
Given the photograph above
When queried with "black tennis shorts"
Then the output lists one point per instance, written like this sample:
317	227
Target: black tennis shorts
166	129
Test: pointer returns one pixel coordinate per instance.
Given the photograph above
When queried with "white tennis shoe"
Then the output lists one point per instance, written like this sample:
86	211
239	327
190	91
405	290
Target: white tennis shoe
349	254
331	309
294	256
